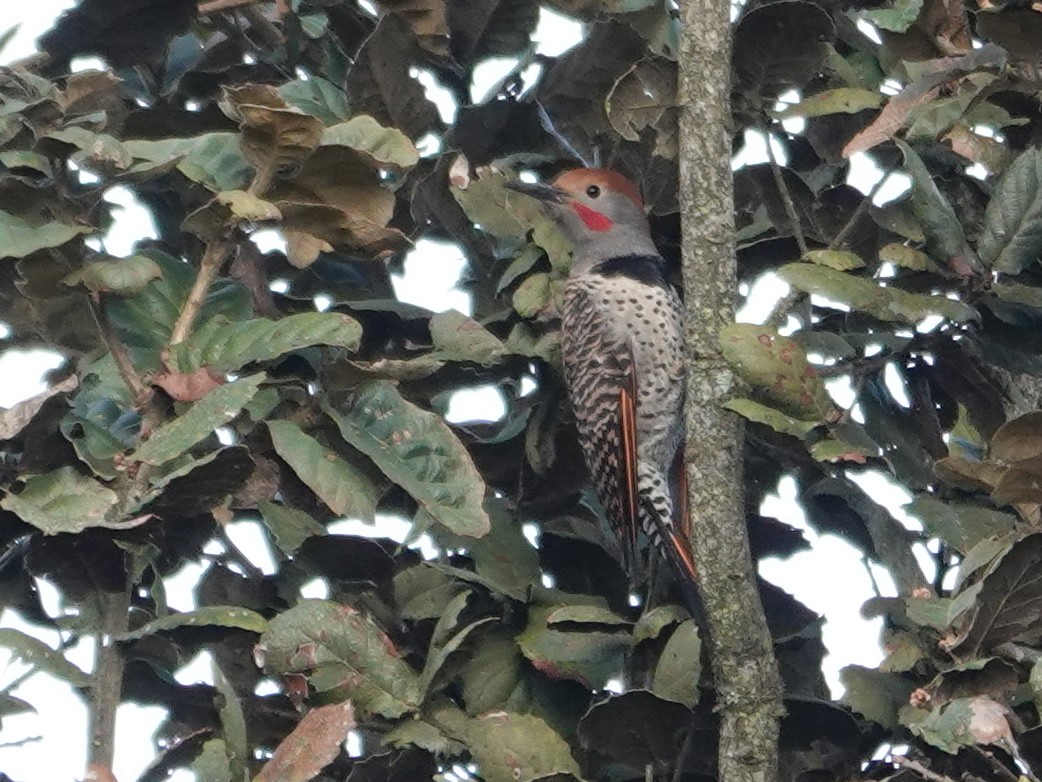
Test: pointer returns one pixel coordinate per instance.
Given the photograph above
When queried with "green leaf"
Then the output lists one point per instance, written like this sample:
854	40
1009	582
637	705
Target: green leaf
587	655
903	652
227	346
908	258
964	722
381	146
34	652
228	210
144	321
424	592
868	296
318	97
931	121
533	295
62	500
208	616
653	622
214	160
503	556
418	733
443	645
960	526
198	422
875	695
778	366
680	666
96	151
586	613
212	763
291	527
508	214
1012	236
492	675
460	338
834	259
233	724
338	483
842	100
512	747
343	650
945	238
19	238
417	450
769	416
941	613
897	18
122	276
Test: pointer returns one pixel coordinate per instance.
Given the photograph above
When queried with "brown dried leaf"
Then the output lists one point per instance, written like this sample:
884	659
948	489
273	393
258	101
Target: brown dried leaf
275	136
190	386
428	21
312	745
1018	439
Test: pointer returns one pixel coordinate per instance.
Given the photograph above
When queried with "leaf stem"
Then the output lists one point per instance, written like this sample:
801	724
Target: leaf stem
139	389
209	266
920	769
106	690
786	196
862	209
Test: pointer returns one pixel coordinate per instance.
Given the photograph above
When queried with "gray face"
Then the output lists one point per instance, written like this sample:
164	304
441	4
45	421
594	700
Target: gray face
599	211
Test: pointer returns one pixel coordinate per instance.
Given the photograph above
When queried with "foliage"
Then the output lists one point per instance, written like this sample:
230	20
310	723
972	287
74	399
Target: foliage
195	391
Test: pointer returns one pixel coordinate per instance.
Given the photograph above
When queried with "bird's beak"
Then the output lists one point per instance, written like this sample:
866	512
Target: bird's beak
540	192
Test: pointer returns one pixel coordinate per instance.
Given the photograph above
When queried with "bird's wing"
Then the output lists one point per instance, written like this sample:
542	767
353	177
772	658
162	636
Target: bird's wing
602	385
628	456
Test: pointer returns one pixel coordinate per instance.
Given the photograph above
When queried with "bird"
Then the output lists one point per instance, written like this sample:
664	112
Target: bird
622	346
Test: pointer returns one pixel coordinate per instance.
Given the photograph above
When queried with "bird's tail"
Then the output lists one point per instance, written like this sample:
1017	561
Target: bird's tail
675	546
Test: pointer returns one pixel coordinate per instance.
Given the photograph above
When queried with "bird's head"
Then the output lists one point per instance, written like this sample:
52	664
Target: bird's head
599	210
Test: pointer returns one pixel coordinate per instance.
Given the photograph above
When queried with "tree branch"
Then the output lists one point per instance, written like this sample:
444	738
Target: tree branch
744	669
209	266
106	689
139	389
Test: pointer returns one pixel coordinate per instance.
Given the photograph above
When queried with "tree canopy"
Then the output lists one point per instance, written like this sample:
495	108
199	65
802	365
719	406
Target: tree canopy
206	380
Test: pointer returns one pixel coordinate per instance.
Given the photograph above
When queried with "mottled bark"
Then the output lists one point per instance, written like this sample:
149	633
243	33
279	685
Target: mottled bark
744	669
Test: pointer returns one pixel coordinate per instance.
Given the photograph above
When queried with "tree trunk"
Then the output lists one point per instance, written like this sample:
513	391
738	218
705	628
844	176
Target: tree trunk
744	669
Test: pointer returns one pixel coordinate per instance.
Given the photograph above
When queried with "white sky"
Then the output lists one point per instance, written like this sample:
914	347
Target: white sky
830	579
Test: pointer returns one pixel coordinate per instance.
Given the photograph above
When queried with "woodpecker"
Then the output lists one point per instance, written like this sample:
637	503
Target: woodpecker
623	349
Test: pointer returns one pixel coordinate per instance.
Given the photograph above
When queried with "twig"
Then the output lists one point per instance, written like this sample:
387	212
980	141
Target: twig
1018	653
271	35
240	558
786	196
216	6
782	308
920	769
685	751
996	766
139	389
858	366
209	266
106	690
860	212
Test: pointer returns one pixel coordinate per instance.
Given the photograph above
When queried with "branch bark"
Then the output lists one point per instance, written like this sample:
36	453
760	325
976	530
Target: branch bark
744	668
106	689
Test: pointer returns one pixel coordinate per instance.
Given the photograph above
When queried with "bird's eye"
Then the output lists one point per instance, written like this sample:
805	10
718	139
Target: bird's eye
593	191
